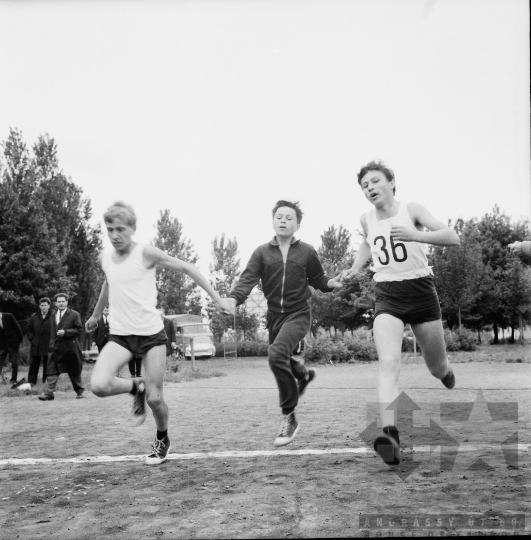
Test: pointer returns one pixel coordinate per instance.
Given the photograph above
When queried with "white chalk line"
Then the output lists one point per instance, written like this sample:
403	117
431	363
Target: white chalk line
233	454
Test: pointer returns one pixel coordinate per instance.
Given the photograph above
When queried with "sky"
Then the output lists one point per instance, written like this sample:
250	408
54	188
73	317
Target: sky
217	109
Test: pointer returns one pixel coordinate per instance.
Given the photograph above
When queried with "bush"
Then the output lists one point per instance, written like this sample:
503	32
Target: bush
245	348
461	340
324	350
362	350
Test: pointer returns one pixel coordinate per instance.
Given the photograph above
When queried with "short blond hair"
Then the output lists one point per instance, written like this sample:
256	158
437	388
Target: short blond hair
121	211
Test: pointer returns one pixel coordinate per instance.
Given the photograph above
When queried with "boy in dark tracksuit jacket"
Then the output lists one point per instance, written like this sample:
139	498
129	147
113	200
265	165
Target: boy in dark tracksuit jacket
286	267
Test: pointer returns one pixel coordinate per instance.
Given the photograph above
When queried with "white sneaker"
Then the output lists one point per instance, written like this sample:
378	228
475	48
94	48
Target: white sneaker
288	429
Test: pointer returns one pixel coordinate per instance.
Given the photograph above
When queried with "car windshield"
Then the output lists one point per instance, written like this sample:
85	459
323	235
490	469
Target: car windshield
196	329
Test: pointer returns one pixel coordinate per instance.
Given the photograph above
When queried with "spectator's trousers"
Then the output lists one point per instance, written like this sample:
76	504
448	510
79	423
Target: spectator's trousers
51	383
135	366
285	332
33	373
13	360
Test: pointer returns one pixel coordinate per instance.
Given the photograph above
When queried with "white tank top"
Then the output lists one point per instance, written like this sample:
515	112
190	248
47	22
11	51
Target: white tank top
132	295
395	261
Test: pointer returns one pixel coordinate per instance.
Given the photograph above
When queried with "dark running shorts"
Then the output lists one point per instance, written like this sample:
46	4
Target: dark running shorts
139	345
413	301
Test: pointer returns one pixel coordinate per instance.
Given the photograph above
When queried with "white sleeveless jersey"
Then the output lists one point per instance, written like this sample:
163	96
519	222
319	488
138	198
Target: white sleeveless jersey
132	295
393	260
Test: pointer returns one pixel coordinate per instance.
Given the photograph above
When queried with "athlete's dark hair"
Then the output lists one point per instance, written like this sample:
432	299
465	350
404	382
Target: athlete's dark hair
122	211
289	204
58	295
377	166
45	299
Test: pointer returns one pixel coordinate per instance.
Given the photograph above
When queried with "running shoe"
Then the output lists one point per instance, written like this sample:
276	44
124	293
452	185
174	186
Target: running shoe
449	379
138	412
387	448
161	449
288	429
303	383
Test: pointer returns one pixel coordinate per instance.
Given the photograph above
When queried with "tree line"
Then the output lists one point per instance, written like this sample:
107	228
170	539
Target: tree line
47	245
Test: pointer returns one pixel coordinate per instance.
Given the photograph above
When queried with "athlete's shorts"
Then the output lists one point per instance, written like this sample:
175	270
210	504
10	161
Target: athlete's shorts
139	345
413	301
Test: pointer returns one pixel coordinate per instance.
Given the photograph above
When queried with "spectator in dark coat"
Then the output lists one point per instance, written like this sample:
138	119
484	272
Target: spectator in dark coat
169	328
65	348
102	330
38	333
10	340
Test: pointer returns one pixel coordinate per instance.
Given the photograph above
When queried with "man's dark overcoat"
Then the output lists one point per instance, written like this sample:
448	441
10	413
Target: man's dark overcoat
38	333
65	351
11	332
102	333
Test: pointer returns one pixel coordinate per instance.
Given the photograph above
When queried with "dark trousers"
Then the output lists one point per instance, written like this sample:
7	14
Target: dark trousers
51	383
33	373
13	360
285	332
135	366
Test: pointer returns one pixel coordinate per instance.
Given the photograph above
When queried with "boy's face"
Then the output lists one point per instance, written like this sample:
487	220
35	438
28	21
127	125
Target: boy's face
285	222
120	234
44	307
376	187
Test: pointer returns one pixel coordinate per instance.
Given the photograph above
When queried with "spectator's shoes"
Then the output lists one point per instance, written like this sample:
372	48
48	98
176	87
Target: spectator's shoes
388	449
303	383
138	413
17	384
161	449
449	379
288	429
46	397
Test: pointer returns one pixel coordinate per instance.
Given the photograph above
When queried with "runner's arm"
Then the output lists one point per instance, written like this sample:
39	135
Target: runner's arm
103	301
156	256
437	234
363	255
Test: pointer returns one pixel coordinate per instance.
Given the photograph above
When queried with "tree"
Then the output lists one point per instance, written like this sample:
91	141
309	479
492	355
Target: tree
177	293
516	288
224	272
496	232
225	268
329	310
44	230
335	252
460	274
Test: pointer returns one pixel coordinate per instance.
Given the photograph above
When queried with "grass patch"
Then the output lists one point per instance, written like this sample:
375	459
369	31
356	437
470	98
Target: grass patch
176	371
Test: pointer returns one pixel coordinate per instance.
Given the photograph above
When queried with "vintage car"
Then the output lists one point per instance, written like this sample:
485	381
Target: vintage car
188	327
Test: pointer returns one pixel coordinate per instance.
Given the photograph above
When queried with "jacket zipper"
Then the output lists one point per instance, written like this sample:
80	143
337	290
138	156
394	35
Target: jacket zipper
282	292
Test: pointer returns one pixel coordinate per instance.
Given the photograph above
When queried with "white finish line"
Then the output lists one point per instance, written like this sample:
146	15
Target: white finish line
251	453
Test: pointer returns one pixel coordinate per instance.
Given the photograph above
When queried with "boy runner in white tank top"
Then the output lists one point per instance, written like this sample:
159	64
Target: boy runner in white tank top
395	237
136	327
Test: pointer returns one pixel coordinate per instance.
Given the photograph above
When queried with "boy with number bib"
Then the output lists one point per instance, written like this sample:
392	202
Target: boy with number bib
395	237
136	327
286	267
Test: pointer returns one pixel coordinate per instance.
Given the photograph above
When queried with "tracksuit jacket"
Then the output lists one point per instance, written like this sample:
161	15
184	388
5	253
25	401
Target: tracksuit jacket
285	285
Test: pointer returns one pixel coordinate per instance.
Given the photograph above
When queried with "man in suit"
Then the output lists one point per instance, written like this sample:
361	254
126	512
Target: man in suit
65	348
38	333
102	330
10	340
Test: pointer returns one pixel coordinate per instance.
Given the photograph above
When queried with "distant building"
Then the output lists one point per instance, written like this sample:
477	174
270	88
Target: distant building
256	303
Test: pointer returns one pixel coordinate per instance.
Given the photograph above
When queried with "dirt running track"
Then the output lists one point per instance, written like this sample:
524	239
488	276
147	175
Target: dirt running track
280	496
